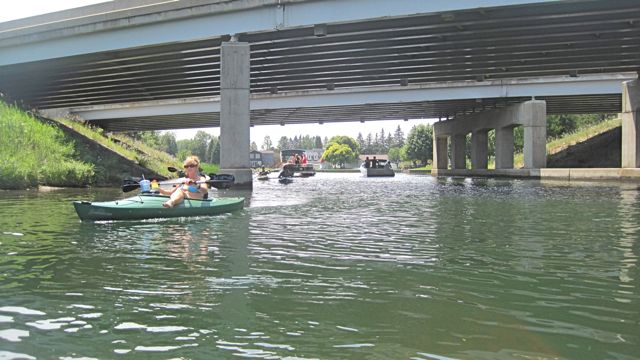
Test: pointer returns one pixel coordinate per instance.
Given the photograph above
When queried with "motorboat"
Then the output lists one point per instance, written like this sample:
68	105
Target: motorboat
380	168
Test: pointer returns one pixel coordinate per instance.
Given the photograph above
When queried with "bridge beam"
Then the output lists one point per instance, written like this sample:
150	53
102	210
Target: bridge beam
234	112
631	124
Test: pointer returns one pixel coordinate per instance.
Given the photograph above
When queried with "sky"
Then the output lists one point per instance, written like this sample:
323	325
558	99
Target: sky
24	8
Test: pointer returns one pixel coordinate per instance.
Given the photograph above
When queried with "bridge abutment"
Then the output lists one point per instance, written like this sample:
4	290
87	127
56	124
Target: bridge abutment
529	114
234	112
631	124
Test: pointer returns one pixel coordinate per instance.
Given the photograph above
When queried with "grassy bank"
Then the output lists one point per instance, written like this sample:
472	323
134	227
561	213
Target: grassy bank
34	153
580	135
127	147
68	153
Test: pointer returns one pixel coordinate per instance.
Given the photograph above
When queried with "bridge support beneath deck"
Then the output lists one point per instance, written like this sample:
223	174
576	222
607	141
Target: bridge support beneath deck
530	114
631	124
234	113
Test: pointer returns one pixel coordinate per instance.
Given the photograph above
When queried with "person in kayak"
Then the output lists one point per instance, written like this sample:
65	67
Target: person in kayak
193	186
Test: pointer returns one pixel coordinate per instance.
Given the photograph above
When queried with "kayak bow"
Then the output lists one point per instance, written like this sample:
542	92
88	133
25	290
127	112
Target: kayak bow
149	206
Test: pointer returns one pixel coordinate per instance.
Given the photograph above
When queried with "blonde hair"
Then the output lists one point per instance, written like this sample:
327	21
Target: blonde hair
192	160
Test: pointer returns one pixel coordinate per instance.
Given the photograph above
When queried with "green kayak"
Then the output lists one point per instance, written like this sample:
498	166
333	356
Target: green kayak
149	206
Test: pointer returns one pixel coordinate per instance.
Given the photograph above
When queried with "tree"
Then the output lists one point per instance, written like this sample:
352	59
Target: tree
201	141
361	144
214	144
338	154
345	140
369	144
318	142
215	155
267	144
395	155
253	146
419	145
398	138
167	143
283	143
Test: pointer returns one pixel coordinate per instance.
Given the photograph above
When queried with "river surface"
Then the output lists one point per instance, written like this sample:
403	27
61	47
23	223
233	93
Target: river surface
331	267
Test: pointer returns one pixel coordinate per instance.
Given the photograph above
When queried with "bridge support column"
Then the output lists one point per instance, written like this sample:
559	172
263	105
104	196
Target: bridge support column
234	112
631	124
535	134
440	158
504	147
479	149
458	151
532	115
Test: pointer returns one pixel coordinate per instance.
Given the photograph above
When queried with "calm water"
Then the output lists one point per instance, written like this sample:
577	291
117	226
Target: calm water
331	267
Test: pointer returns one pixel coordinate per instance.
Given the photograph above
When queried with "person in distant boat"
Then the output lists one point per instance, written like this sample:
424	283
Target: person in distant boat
298	159
367	162
190	187
287	171
374	162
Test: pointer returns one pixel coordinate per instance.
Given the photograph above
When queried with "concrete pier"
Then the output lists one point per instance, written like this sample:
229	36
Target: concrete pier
532	115
480	149
440	157
504	147
234	113
631	124
458	151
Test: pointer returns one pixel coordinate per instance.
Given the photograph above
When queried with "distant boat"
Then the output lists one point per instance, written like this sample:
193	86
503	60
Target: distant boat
263	175
382	169
303	168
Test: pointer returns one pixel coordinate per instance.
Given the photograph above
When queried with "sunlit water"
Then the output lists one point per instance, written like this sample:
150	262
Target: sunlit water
331	267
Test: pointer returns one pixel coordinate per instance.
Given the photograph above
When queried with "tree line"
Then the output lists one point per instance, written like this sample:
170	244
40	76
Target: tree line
203	145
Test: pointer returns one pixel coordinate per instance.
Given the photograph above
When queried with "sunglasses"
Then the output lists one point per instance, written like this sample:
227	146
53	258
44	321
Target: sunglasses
190	166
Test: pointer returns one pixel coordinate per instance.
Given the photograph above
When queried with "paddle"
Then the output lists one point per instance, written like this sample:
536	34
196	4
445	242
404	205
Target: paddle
218	181
176	170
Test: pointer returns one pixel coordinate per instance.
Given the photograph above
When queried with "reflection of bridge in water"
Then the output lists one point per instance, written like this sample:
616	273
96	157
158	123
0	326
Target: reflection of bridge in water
238	64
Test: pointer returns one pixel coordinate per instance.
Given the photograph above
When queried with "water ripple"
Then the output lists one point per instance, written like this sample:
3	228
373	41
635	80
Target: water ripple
335	266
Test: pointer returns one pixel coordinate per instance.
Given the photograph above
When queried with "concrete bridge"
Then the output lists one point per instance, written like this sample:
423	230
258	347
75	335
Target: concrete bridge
476	65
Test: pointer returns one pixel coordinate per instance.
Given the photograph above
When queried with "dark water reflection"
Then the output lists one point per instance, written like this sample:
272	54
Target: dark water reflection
331	267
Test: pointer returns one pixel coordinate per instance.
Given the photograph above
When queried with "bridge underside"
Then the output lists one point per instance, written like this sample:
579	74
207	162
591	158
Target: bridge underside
606	103
312	47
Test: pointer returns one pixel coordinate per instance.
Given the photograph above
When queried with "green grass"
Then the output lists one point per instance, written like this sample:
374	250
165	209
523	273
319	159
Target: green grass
556	145
581	135
137	151
209	168
34	153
